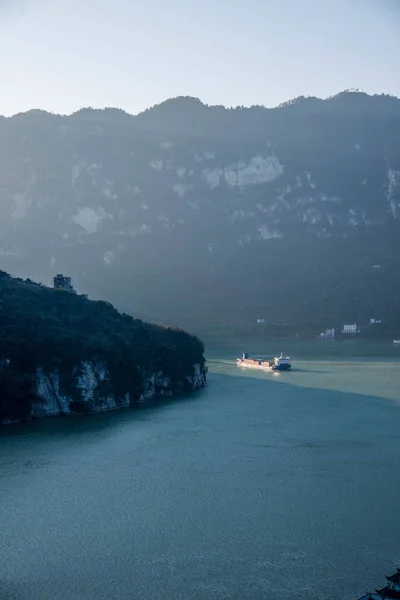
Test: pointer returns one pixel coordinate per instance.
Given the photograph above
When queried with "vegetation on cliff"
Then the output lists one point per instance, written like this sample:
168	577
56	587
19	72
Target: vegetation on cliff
57	330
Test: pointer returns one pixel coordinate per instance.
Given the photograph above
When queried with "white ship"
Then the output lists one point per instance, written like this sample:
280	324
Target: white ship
282	363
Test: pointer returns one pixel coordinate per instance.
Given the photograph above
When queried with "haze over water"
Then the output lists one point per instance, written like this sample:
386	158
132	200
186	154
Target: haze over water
260	486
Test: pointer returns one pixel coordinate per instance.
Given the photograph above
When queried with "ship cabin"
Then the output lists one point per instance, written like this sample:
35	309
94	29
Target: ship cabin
282	363
282	360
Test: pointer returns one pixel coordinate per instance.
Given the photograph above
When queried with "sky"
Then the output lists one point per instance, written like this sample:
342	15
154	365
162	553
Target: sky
60	55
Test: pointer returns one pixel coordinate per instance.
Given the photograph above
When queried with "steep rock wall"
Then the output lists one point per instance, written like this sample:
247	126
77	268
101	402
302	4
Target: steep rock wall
91	395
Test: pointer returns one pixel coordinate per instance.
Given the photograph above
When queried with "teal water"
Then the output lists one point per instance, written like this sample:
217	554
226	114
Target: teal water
261	486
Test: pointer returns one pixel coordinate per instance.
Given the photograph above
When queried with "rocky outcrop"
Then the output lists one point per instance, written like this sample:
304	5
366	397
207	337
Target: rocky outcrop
90	395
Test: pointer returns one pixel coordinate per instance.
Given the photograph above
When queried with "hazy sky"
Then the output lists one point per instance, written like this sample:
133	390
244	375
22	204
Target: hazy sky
61	55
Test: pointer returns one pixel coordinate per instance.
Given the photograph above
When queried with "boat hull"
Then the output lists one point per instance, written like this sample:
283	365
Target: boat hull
281	367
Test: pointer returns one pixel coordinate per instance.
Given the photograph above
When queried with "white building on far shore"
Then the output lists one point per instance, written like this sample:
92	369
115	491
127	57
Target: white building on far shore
349	328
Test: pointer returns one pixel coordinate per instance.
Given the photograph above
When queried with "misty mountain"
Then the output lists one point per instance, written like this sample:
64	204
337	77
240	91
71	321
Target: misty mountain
198	215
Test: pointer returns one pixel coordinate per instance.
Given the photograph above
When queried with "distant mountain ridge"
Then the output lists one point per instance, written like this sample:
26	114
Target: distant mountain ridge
199	215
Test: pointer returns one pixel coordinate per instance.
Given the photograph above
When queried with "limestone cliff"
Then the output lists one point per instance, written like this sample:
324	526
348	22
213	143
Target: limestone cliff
92	396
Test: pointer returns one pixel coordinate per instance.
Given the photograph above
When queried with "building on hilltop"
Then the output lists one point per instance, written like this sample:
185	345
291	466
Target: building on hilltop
63	283
389	592
350	328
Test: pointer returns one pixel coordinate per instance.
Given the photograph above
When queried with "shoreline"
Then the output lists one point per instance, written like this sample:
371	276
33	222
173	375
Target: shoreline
61	406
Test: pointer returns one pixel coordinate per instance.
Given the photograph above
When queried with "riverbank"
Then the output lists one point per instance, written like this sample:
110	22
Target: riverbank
298	348
52	403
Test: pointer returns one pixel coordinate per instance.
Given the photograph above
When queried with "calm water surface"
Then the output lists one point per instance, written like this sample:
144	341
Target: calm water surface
263	485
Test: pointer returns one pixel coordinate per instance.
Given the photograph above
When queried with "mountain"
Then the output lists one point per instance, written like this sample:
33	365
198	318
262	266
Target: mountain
205	216
62	353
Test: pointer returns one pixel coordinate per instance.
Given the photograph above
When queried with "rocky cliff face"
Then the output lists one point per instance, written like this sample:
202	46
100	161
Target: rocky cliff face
91	395
218	209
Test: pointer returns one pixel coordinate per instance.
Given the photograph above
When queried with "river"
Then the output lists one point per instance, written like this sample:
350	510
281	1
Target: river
263	485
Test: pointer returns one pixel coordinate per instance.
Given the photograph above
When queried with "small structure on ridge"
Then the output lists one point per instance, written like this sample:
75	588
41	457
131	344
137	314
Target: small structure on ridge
63	283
